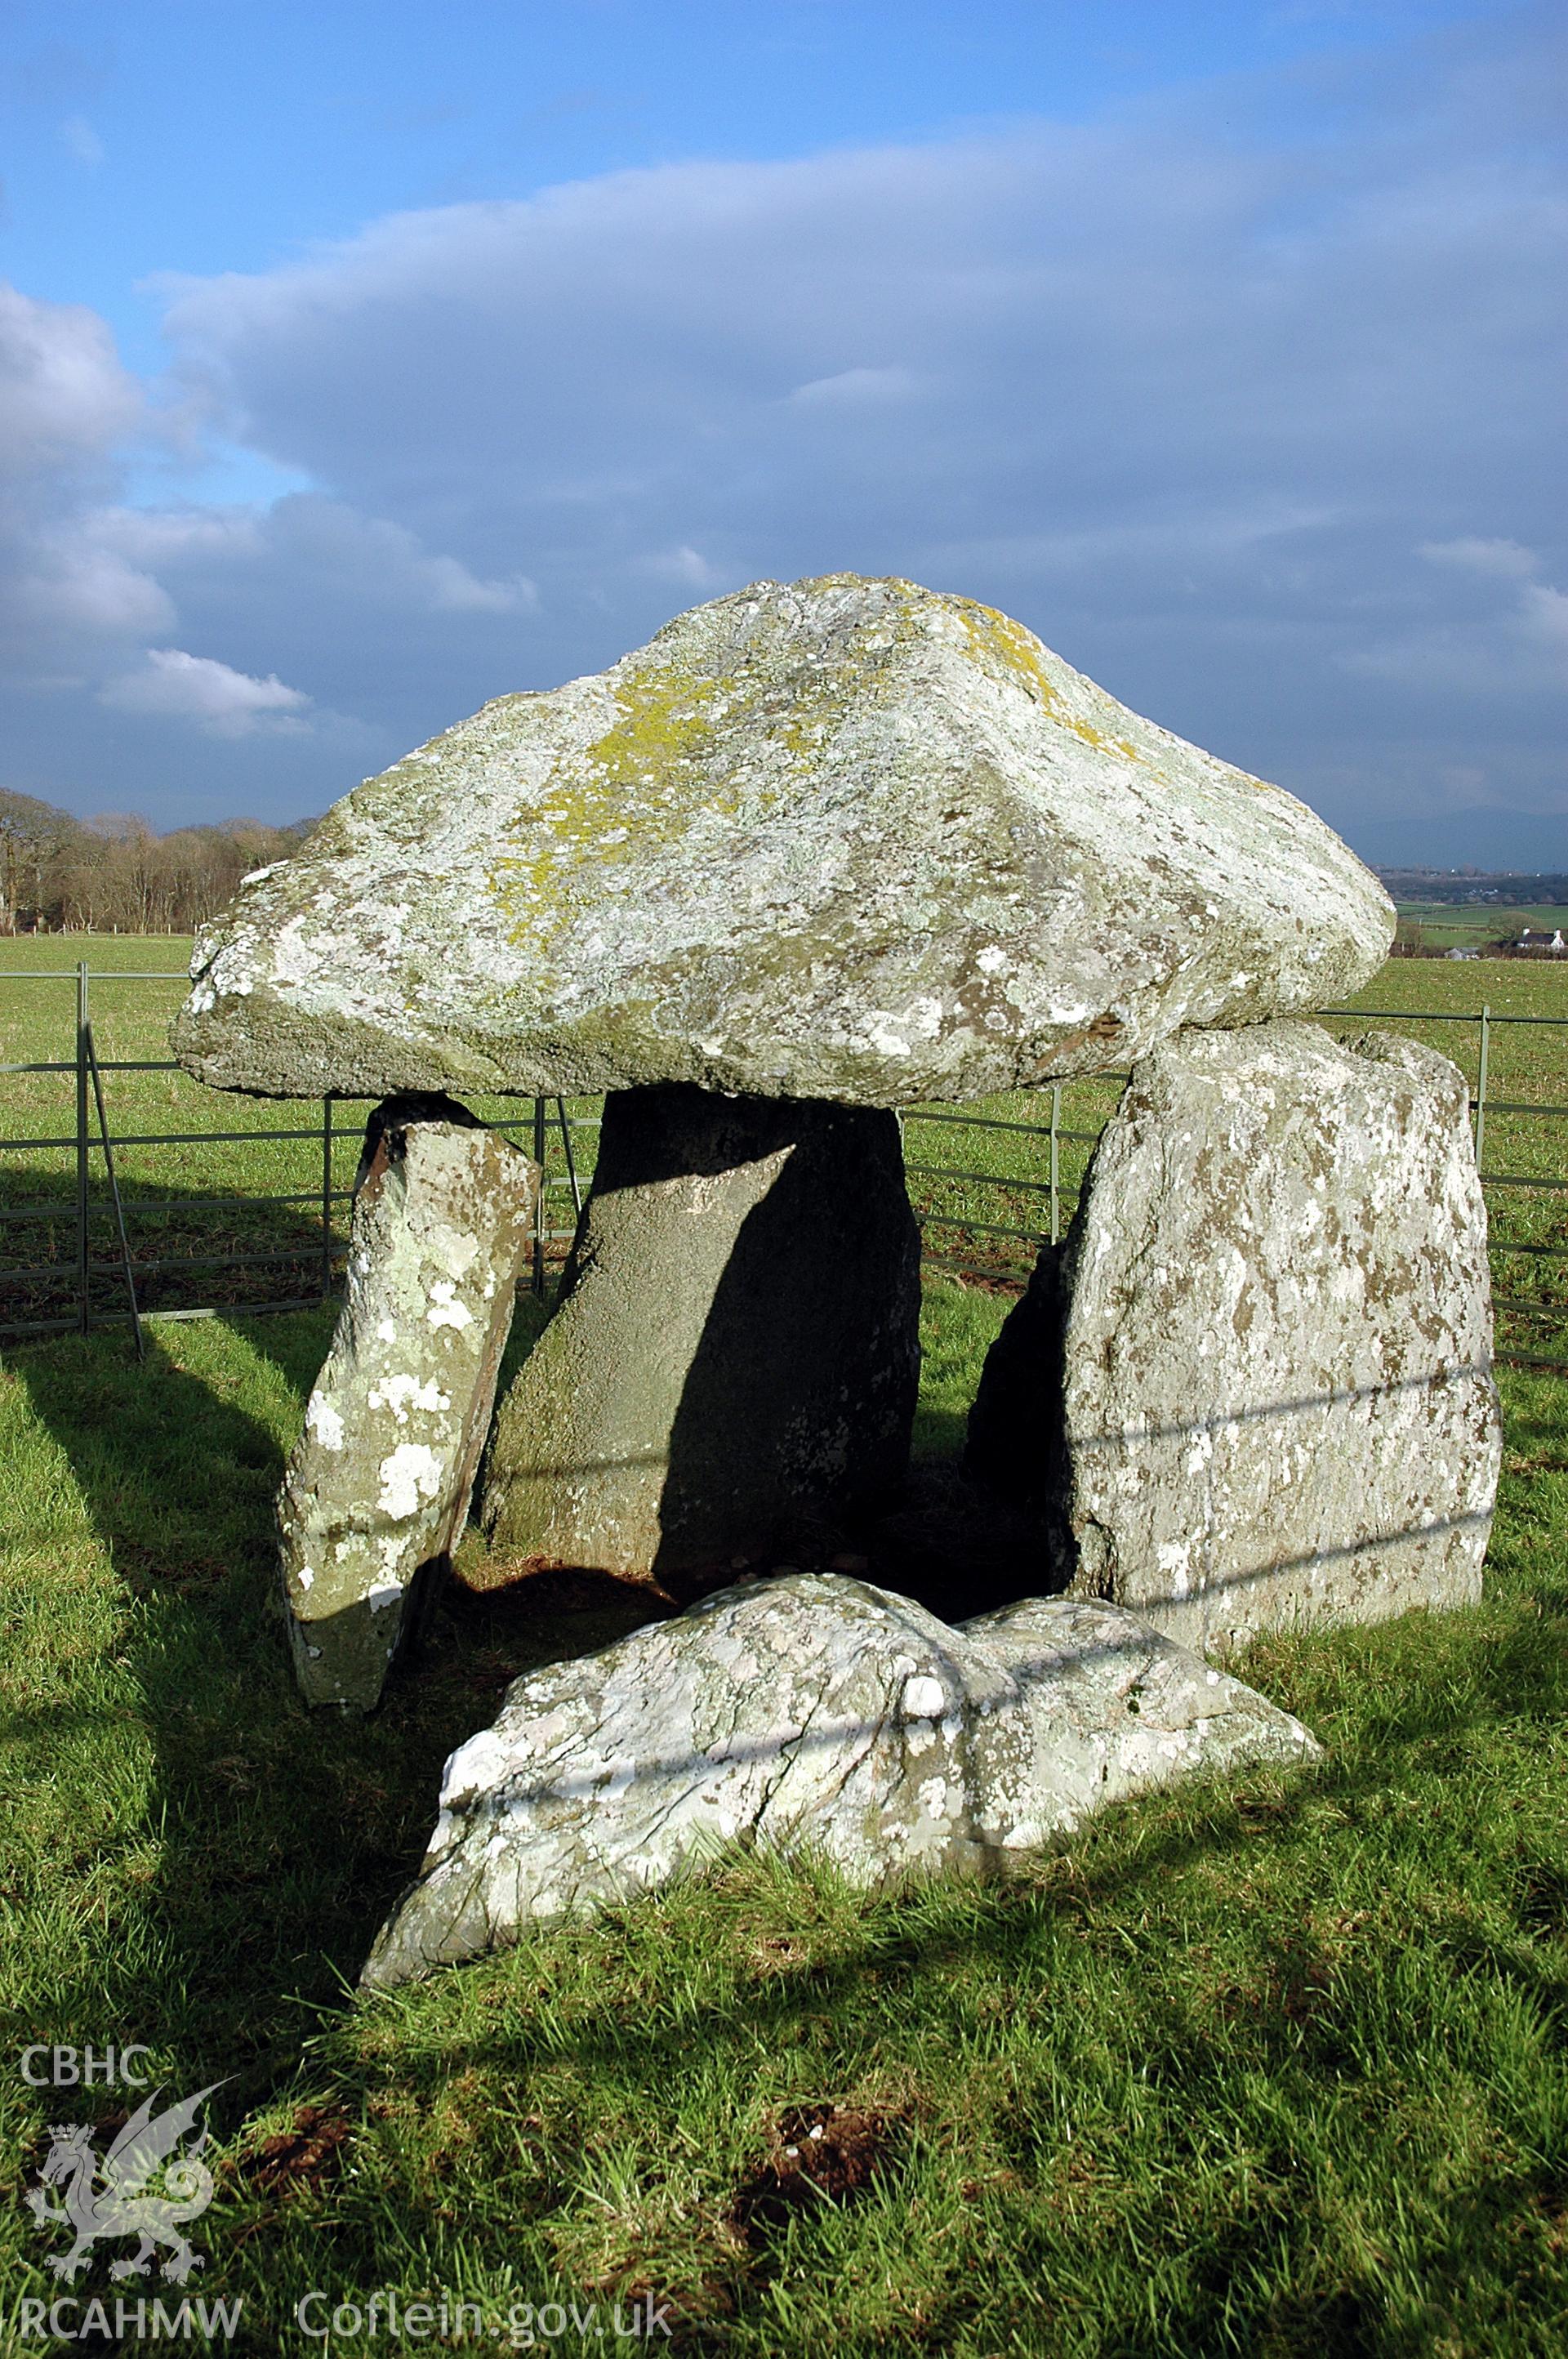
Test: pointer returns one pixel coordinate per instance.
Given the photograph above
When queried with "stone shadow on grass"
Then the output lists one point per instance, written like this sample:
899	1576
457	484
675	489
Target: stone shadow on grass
282	1836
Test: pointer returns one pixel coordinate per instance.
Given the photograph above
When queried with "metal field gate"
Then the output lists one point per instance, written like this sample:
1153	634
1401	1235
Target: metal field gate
106	1218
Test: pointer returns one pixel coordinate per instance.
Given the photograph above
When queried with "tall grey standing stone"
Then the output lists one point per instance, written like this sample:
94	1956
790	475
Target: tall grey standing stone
841	839
736	1345
379	1484
816	1712
1256	1382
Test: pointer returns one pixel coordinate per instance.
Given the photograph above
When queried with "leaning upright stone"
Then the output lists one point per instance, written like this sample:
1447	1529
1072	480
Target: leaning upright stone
736	1349
1256	1385
379	1483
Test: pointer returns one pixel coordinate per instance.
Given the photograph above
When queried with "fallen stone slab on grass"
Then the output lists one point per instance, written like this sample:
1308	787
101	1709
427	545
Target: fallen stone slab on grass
813	1710
378	1484
1255	1386
844	838
736	1344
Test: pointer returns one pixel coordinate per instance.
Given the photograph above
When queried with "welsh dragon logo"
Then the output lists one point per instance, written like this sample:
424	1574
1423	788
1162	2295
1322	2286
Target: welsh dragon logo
145	2186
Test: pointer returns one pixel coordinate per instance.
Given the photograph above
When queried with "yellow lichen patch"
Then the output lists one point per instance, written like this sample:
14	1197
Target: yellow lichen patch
601	806
994	637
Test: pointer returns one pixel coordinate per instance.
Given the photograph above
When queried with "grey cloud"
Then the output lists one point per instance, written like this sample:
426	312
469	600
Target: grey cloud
1242	401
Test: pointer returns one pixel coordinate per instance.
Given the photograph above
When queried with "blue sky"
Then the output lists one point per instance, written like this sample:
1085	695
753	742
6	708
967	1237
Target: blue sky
358	364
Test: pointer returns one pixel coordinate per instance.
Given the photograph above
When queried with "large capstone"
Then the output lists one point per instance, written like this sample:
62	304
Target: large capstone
814	1711
378	1486
841	839
1254	1385
735	1353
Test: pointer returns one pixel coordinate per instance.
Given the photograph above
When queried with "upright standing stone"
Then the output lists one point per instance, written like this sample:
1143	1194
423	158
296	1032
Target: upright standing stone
736	1346
1255	1383
379	1484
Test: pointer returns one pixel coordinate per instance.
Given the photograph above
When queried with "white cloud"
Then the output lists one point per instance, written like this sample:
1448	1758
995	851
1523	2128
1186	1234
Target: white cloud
857	389
1508	561
71	585
80	141
686	567
65	401
225	702
1544	615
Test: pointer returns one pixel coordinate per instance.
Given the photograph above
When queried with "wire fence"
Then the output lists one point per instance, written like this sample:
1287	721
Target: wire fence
260	1248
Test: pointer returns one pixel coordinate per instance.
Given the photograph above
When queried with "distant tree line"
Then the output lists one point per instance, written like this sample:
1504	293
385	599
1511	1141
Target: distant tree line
117	874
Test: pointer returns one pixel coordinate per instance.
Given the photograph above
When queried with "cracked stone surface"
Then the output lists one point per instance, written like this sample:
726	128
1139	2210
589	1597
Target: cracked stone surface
819	1710
736	1342
1255	1384
378	1484
843	838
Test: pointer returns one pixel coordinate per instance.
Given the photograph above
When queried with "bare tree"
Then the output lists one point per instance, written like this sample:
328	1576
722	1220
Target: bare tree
33	834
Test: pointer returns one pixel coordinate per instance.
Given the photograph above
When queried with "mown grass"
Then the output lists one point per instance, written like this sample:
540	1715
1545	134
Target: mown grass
1276	2068
1279	2069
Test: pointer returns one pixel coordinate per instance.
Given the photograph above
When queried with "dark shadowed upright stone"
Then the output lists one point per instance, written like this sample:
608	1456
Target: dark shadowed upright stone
1256	1385
379	1483
736	1345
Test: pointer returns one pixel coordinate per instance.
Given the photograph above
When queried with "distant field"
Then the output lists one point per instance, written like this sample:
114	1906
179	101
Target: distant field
264	1198
1459	925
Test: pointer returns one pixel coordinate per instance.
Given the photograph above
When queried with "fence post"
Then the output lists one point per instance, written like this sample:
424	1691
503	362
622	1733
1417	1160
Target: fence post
126	1262
325	1197
1055	1118
539	1145
82	1272
1481	1087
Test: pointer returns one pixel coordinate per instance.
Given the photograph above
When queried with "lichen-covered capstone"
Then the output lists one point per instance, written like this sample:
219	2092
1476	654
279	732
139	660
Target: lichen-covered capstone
839	839
379	1483
1256	1384
812	1710
736	1346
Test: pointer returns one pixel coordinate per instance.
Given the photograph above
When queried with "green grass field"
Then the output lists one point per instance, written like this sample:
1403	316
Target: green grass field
264	1198
1278	2070
1273	2070
1445	924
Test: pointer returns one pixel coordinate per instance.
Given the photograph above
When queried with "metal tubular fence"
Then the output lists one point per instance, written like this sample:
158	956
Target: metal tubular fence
324	1252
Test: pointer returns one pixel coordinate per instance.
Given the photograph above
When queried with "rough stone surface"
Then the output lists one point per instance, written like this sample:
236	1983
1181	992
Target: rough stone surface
1255	1384
736	1345
818	1711
379	1483
838	839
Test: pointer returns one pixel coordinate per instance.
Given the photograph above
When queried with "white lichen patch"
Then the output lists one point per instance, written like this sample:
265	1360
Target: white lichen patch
409	1473
924	1699
404	1392
323	1422
446	1309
